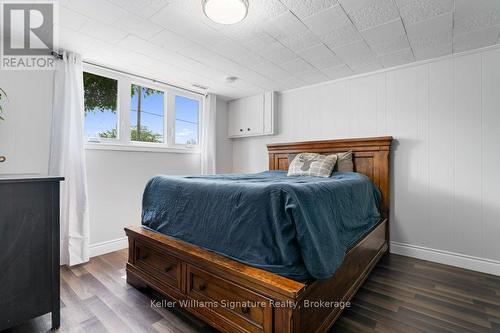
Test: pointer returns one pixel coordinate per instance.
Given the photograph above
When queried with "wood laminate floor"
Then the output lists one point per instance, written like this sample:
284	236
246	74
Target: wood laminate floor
401	295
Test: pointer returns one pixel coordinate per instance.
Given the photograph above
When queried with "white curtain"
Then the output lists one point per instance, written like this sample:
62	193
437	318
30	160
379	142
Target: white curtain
208	135
67	158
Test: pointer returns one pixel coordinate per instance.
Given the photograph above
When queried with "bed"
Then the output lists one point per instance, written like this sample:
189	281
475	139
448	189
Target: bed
244	298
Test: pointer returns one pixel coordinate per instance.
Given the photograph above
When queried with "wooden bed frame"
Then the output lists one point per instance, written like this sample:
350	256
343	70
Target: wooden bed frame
234	297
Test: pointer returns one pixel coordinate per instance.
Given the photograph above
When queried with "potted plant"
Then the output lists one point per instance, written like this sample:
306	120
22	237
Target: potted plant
3	95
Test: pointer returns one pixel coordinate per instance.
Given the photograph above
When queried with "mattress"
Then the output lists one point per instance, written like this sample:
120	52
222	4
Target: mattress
297	227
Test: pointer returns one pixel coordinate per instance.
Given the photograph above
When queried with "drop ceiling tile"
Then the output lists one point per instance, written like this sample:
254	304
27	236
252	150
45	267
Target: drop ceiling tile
73	40
267	9
413	11
271	70
241	32
173	20
284	25
342	36
305	8
71	19
229	49
366	68
139	45
436	51
338	72
397	59
296	66
143	8
261	81
184	25
167	56
170	40
316	52
328	20
476	39
194	10
475	15
300	41
103	32
320	57
327	62
239	54
355	54
290	83
436	31
276	52
138	26
384	32
250	59
99	10
312	77
208	57
369	13
259	41
390	46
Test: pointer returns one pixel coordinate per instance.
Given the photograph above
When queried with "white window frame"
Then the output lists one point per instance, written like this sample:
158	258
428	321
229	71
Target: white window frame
166	109
124	142
119	131
174	117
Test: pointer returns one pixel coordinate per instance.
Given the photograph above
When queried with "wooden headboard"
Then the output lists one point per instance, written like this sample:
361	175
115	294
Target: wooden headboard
370	157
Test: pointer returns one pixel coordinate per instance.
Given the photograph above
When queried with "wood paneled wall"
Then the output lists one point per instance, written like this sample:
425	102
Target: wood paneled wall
445	118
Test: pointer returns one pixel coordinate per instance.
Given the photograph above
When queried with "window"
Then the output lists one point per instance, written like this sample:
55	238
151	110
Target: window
186	121
147	114
125	112
101	105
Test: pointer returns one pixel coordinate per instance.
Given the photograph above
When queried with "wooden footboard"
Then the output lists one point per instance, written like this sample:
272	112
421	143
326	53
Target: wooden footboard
234	297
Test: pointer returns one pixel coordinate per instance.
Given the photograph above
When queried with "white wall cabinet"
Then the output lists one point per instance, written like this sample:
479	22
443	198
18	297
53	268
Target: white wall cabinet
252	116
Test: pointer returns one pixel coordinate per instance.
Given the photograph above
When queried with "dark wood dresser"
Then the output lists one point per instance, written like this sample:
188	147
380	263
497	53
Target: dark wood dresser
29	249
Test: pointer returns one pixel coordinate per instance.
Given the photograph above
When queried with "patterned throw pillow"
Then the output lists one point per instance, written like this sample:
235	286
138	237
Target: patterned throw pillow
312	164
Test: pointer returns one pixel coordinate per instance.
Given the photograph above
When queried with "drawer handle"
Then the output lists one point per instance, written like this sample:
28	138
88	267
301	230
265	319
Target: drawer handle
245	309
144	256
248	129
3	159
241	129
168	268
202	286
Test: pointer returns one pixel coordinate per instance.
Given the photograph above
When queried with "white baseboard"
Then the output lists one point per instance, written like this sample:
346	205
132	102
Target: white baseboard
448	258
108	246
443	257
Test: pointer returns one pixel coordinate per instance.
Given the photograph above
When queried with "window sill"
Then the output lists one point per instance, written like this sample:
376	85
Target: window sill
140	148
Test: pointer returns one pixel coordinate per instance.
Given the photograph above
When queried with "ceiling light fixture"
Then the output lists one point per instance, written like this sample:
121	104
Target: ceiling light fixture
225	11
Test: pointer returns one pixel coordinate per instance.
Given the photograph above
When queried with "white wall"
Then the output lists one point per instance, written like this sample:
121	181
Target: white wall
224	154
116	179
25	133
445	117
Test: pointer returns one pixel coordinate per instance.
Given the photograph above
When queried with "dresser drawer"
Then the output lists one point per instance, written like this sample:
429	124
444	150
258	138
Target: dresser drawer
158	263
238	307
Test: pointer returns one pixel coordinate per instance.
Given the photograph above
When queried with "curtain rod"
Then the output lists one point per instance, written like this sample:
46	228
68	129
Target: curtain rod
60	56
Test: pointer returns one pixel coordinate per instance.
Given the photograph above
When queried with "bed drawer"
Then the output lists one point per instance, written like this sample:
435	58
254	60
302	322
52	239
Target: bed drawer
159	264
238	307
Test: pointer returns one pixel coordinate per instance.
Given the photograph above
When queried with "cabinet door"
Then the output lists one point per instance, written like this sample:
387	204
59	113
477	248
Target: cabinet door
25	252
236	109
253	119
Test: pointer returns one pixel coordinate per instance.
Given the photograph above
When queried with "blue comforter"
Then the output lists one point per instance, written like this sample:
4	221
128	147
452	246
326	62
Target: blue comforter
298	227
